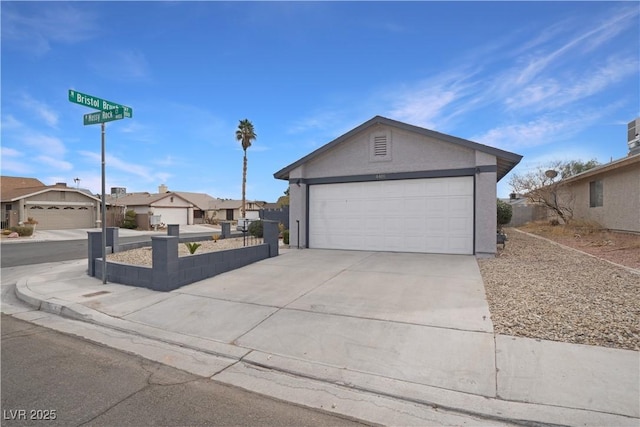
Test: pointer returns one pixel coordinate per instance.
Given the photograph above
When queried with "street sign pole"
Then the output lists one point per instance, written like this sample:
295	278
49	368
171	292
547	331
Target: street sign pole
108	111
104	213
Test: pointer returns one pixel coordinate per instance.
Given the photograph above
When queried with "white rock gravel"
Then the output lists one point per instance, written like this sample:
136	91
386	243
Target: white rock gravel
143	256
538	289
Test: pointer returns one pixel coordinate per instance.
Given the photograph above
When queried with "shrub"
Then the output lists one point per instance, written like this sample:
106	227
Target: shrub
130	220
192	246
285	237
215	237
256	229
554	223
23	231
505	212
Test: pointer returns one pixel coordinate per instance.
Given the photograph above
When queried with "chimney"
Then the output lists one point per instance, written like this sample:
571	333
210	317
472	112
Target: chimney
162	189
61	184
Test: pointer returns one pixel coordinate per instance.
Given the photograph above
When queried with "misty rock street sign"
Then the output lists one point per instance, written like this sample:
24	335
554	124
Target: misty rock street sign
108	111
97	103
104	116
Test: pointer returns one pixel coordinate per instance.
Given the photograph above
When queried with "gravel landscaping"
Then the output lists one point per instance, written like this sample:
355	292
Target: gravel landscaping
538	289
143	256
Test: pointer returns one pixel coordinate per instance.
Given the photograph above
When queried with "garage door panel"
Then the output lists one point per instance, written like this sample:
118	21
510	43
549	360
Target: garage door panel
172	215
460	188
422	215
62	217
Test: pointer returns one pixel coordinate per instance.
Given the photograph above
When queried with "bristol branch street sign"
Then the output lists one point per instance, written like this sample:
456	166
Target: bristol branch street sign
104	116
97	103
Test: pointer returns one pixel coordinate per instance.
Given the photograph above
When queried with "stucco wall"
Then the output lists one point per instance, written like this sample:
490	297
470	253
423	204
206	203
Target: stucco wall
297	214
620	209
486	207
410	152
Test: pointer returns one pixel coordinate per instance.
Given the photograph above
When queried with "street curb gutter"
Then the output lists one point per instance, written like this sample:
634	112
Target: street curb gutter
288	370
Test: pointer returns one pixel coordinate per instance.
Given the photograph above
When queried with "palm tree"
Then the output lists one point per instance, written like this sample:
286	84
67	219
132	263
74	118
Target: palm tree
245	134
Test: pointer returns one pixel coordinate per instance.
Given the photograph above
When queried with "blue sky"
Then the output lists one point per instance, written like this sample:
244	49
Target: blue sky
547	80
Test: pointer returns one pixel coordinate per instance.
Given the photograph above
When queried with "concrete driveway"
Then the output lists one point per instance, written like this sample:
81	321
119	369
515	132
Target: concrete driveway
412	317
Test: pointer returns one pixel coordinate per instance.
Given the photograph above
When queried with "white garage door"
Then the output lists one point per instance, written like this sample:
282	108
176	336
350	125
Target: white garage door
432	215
172	215
62	217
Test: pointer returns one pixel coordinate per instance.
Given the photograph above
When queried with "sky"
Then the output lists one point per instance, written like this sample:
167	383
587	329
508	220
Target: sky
546	80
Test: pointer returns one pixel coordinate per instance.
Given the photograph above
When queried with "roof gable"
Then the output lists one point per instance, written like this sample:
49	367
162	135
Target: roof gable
9	183
16	188
143	199
505	160
202	201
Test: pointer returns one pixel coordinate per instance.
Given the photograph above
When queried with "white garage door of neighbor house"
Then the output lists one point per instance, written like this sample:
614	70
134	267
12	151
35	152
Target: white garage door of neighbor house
172	215
62	217
432	215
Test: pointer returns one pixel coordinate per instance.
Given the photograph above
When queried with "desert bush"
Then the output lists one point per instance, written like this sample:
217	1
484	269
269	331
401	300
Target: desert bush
192	246
505	212
23	231
130	220
285	237
256	229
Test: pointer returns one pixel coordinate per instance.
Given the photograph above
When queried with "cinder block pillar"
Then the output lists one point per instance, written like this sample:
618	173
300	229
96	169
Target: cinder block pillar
173	230
164	275
94	250
112	238
226	230
270	234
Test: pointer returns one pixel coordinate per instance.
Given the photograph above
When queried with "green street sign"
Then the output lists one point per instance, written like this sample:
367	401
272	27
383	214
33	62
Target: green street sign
97	103
104	116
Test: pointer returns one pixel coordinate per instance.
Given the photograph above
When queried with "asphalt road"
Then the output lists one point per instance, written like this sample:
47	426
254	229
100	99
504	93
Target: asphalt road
53	379
27	253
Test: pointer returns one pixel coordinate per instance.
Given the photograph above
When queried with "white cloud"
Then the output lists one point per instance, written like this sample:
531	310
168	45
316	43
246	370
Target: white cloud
122	65
112	162
9	122
40	109
32	28
55	163
10	152
44	145
16	166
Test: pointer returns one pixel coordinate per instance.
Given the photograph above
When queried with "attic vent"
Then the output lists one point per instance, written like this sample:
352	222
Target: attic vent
380	146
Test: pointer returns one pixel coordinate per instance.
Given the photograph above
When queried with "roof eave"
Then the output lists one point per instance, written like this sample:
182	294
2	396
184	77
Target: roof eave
505	159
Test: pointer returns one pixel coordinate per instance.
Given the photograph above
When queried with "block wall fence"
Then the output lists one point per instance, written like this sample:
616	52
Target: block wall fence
168	271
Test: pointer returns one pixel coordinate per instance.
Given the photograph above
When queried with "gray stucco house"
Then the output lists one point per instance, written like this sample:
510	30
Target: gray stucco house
608	194
392	186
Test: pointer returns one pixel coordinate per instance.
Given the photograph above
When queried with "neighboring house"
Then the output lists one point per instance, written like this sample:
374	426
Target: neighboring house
171	207
230	210
54	207
204	206
391	186
608	194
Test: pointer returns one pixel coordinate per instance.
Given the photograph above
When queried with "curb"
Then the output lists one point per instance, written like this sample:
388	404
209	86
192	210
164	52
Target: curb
275	366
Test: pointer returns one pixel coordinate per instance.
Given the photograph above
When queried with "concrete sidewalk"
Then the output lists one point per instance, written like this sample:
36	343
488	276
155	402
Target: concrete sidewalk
348	326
